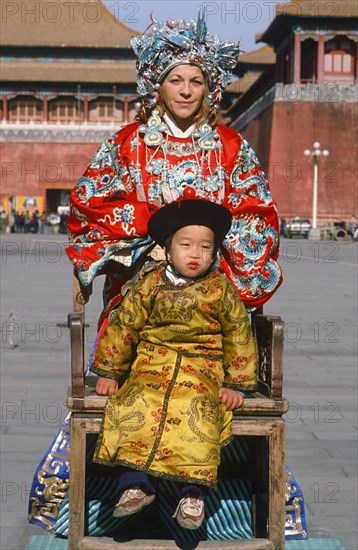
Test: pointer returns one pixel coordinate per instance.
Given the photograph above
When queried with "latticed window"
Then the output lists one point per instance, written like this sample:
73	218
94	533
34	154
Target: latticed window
65	109
339	57
105	109
25	109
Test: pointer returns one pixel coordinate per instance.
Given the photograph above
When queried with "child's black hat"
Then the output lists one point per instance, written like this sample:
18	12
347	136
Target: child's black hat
178	214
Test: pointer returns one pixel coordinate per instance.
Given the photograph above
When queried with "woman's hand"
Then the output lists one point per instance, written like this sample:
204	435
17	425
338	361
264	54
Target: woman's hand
230	398
106	386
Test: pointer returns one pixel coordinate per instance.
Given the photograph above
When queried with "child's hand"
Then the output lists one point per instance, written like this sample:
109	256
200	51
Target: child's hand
106	386
230	398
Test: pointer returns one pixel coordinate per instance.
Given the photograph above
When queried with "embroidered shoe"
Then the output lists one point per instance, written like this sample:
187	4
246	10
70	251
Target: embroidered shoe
190	512
132	501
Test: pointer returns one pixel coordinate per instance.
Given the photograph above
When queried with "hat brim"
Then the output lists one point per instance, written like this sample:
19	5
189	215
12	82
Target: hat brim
178	214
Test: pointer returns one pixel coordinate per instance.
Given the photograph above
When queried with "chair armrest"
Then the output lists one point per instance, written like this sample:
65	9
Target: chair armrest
269	334
76	326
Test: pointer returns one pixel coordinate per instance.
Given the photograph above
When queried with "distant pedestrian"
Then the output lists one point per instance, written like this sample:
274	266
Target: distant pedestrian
27	222
43	223
4	220
63	222
353	226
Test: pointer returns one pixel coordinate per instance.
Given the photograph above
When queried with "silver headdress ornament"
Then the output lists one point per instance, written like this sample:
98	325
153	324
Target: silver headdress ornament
177	43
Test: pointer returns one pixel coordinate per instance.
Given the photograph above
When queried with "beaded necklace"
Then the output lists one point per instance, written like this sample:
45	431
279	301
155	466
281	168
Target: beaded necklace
205	142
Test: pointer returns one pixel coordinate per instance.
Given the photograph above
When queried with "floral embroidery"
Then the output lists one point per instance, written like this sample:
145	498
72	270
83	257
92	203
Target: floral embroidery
127	339
200	388
176	421
124	215
186	384
112	351
138	446
164	453
187	369
157	414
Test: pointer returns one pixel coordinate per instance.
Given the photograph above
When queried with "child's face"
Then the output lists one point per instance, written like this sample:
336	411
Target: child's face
191	250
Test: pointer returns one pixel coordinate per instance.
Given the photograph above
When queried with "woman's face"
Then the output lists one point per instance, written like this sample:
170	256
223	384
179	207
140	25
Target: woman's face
183	90
191	250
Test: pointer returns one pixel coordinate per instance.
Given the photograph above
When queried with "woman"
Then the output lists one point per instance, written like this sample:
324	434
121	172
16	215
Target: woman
176	149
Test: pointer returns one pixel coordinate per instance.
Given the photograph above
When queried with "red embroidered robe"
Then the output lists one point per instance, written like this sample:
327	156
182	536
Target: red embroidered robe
108	218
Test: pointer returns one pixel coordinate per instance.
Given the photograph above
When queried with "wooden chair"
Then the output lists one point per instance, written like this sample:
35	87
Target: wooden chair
260	417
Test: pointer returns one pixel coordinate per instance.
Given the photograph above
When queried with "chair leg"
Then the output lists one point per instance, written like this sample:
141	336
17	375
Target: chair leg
261	487
77	483
276	520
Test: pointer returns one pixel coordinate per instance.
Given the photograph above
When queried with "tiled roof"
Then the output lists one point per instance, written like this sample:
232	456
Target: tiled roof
262	55
21	71
319	8
242	85
321	12
74	23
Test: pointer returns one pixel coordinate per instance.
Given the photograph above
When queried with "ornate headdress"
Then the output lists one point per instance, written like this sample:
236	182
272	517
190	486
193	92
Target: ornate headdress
179	42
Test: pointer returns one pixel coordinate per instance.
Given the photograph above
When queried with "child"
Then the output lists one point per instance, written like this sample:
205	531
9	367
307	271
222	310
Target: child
182	339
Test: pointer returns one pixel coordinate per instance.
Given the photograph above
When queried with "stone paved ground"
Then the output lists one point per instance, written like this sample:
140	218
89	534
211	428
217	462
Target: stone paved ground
318	301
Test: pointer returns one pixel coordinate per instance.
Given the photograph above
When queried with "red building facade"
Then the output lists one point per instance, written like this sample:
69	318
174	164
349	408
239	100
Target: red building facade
67	83
309	96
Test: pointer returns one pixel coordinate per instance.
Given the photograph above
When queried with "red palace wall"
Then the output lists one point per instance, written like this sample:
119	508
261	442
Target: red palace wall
296	128
289	129
258	134
279	135
29	168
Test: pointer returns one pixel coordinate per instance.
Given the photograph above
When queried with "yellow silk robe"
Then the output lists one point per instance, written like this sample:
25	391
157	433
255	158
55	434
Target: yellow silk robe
176	347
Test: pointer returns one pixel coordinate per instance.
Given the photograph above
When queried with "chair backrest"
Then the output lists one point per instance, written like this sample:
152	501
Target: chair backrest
76	324
269	334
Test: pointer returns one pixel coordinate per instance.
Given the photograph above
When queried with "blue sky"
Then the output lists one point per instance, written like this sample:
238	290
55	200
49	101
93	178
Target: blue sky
231	20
